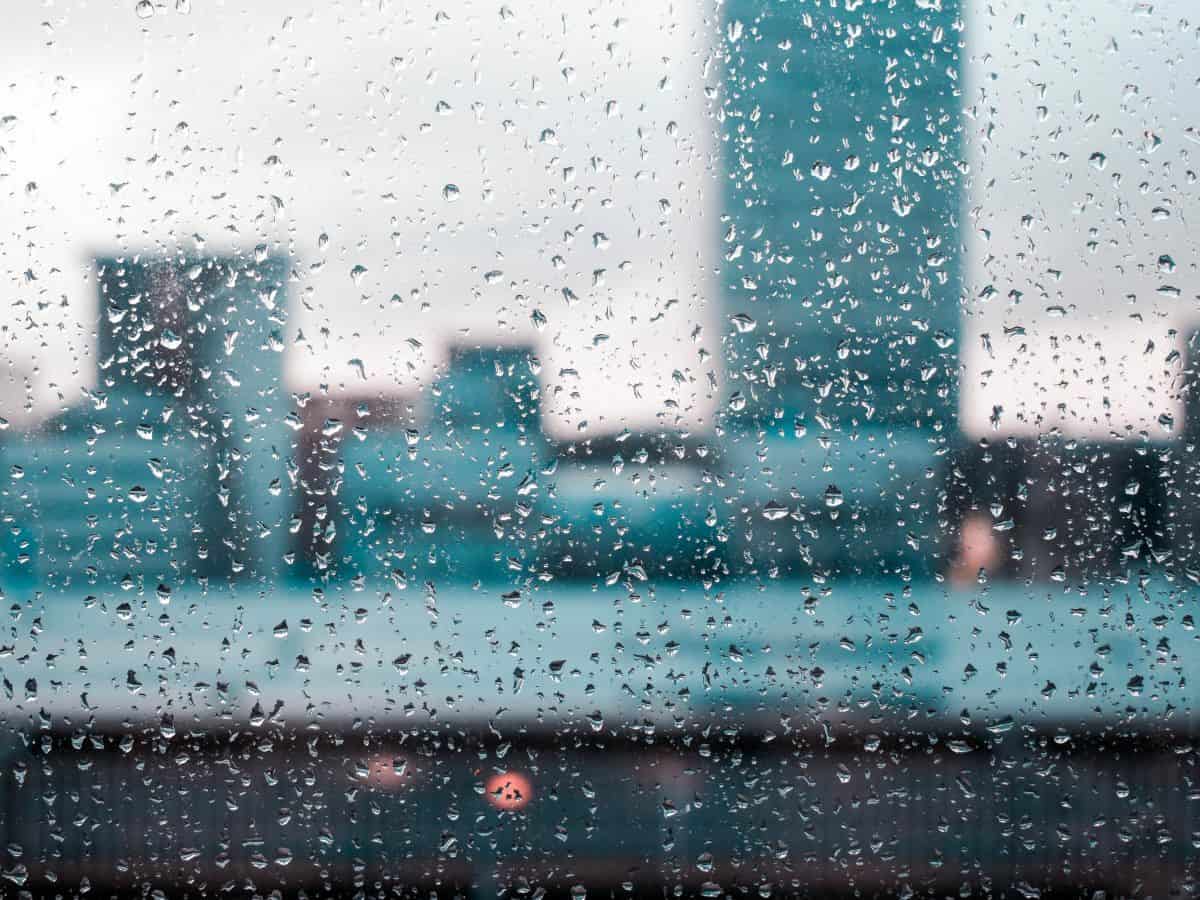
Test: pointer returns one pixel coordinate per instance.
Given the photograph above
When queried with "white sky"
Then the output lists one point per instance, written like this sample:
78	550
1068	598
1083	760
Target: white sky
1111	78
277	122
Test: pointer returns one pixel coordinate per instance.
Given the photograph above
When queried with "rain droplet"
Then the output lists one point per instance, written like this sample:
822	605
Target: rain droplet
774	511
743	323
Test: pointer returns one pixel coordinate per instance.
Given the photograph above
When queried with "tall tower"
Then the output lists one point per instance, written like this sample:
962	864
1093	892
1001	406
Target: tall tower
241	389
207	333
841	245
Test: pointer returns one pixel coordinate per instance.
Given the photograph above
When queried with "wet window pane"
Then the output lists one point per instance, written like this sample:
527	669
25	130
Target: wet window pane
627	450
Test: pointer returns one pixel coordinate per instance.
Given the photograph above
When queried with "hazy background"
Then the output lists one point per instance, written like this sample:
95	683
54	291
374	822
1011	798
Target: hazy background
584	154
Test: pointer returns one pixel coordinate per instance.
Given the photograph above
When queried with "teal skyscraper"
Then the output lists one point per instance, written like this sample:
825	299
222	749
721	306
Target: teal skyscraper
841	131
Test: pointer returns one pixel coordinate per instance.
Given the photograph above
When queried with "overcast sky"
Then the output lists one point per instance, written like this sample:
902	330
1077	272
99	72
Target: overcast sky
576	140
581	148
1082	129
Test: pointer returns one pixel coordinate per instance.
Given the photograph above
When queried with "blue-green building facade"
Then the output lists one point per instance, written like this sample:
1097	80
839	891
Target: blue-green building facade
841	137
176	465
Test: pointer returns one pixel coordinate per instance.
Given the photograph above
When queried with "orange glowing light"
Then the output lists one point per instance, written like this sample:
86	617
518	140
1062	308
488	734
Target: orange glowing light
508	790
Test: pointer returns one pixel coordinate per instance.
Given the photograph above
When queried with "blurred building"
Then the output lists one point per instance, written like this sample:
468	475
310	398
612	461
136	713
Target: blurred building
456	492
842	259
638	507
176	465
470	487
841	243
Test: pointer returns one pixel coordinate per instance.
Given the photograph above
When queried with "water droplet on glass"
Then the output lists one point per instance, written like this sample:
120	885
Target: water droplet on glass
774	511
743	323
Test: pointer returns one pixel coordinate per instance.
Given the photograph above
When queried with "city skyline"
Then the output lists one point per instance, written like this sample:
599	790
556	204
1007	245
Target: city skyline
294	177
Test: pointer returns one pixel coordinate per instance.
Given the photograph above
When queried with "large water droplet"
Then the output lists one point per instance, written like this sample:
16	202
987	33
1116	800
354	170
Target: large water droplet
743	323
774	511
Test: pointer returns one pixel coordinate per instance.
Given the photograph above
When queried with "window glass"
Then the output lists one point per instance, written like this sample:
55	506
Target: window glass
619	450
